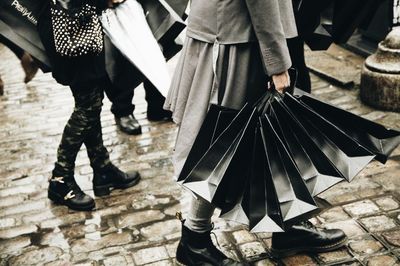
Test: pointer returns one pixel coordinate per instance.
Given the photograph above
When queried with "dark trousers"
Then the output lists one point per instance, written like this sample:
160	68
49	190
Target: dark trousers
83	127
15	49
126	78
296	50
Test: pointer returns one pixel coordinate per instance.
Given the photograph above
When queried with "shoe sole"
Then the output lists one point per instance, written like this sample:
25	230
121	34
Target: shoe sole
280	253
59	200
131	132
105	190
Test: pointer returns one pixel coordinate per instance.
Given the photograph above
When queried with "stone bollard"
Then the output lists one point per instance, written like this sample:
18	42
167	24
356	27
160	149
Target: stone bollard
380	78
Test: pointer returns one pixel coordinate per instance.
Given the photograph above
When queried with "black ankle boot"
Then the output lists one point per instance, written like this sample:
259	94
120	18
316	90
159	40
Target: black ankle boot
111	177
197	249
305	237
65	191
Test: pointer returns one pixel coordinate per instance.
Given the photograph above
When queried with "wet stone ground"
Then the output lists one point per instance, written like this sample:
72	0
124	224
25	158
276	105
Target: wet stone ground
137	226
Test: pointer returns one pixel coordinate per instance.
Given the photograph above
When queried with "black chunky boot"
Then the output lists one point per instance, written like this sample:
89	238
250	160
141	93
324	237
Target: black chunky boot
111	177
65	191
195	249
305	237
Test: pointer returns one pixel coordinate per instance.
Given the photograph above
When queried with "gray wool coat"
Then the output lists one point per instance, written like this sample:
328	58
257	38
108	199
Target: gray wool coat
269	22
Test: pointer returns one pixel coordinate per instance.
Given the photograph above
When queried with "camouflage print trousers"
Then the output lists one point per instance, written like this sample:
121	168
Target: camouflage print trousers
83	127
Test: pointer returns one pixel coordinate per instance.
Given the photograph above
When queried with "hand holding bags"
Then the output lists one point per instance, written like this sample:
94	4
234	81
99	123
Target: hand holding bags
264	169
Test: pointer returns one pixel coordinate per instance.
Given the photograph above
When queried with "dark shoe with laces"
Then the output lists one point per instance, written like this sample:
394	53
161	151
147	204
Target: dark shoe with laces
129	125
305	237
198	249
65	191
111	177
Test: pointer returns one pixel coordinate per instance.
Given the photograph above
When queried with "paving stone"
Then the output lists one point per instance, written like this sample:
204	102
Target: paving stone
335	256
137	218
17	231
265	262
385	260
115	261
86	245
392	237
243	236
14	245
101	254
387	203
64	220
23	208
366	247
378	223
7	222
161	229
350	227
252	250
55	239
36	257
149	255
12	200
161	263
334	214
149	202
361	208
300	259
171	249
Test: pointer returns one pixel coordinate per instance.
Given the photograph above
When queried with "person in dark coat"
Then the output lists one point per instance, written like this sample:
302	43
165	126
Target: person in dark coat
87	78
121	93
127	76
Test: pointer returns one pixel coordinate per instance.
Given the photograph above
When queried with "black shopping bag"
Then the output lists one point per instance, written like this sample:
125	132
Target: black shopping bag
293	195
221	158
348	155
216	120
316	170
258	204
373	136
264	209
18	20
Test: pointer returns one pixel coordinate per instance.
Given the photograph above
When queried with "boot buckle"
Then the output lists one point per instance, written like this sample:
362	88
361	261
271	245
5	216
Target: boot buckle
70	195
58	179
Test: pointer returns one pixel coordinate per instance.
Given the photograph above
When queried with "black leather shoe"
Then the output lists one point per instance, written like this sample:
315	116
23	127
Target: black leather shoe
65	191
129	125
158	114
305	237
111	177
198	249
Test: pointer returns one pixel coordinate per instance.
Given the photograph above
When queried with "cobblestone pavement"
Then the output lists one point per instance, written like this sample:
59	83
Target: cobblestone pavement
137	226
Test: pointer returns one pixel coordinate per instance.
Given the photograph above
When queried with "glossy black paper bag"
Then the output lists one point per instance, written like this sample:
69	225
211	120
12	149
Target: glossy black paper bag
378	139
217	119
348	156
222	157
315	168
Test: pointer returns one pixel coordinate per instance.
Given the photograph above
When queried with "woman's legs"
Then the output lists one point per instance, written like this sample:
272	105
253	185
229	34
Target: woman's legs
199	216
83	124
